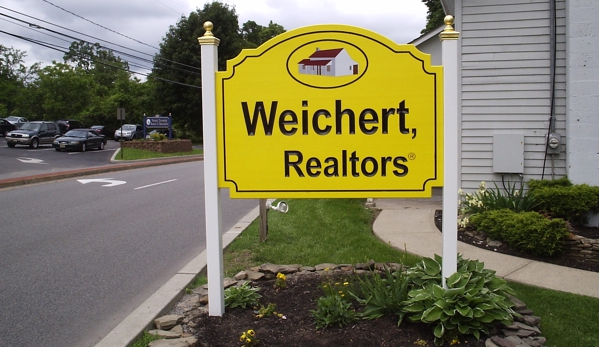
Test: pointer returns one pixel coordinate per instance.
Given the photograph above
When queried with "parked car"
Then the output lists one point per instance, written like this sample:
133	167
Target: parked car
6	126
15	120
68	124
130	132
79	140
33	134
103	130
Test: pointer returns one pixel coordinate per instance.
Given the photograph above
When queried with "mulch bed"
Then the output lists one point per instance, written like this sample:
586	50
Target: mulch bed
298	329
577	263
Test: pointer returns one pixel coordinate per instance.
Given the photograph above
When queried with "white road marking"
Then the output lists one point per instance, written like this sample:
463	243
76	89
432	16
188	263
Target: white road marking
155	184
111	182
30	160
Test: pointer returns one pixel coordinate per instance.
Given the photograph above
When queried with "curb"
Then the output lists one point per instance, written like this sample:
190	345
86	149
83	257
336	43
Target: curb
134	164
142	318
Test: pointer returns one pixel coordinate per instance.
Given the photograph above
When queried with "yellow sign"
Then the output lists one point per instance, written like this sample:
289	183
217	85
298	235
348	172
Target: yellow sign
330	111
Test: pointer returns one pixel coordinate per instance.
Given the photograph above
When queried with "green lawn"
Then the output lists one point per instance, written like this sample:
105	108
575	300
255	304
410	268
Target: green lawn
136	154
339	231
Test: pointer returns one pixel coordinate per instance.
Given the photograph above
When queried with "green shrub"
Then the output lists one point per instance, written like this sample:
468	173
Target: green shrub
561	182
241	296
524	231
474	301
485	199
158	137
569	202
333	310
383	295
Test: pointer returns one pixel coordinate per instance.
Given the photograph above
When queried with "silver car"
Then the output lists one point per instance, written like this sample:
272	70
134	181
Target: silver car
16	120
129	132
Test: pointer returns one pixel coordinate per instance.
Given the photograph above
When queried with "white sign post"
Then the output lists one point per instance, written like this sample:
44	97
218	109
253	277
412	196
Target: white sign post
449	45
214	248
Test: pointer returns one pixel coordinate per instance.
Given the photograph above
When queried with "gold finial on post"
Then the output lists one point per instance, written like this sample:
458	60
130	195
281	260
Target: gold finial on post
208	38
208	26
449	33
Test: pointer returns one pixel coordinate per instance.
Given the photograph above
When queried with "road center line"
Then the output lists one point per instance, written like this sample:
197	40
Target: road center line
155	184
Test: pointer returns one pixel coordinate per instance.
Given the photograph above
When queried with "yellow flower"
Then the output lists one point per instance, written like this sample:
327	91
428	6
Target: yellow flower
346	283
251	332
248	340
281	276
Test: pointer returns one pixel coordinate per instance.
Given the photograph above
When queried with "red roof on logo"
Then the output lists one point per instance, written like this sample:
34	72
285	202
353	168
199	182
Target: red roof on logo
326	53
309	62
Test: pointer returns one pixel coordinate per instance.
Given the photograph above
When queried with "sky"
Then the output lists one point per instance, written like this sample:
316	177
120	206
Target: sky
141	25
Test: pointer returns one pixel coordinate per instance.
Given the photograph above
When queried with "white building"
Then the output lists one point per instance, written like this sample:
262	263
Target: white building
527	69
329	62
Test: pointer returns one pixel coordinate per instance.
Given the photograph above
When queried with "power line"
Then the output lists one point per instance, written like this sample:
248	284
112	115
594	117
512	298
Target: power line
48	45
32	29
31	26
101	26
165	5
95	38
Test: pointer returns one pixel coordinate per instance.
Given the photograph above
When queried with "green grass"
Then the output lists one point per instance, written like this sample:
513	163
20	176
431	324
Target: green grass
566	319
135	154
339	231
198	281
314	231
144	340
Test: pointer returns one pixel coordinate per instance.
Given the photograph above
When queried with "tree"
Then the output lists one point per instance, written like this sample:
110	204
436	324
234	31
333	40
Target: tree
112	86
271	31
434	15
14	78
254	34
65	91
177	84
250	32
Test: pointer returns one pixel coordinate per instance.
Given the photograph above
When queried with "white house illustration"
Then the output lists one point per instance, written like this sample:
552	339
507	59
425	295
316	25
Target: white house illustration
329	62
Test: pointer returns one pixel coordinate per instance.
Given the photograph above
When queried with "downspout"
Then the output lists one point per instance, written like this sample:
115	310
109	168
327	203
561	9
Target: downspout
552	68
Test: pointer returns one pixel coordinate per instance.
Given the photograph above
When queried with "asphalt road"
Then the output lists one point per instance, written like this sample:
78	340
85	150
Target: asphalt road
76	259
23	161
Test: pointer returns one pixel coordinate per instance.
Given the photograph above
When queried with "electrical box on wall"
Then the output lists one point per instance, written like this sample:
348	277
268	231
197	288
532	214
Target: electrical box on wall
508	153
553	143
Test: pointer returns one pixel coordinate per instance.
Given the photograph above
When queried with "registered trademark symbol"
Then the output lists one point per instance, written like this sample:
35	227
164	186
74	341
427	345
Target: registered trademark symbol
412	156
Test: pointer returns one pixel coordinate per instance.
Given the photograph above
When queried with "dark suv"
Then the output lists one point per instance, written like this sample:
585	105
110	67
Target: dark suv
68	124
33	134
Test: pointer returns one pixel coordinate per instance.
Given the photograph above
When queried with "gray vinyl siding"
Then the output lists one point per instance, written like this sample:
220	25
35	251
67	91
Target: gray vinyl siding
505	85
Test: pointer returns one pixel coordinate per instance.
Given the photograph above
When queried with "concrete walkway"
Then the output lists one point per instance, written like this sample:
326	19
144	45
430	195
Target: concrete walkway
409	224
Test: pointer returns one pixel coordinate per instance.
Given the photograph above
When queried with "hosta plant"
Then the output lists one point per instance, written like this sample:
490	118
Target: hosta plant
241	296
474	300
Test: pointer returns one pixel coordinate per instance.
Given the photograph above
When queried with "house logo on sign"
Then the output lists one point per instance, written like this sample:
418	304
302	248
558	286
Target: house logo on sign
329	62
330	111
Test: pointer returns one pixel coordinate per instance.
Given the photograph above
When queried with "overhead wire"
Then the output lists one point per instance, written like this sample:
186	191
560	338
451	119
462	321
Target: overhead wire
165	5
93	37
63	50
129	62
101	26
